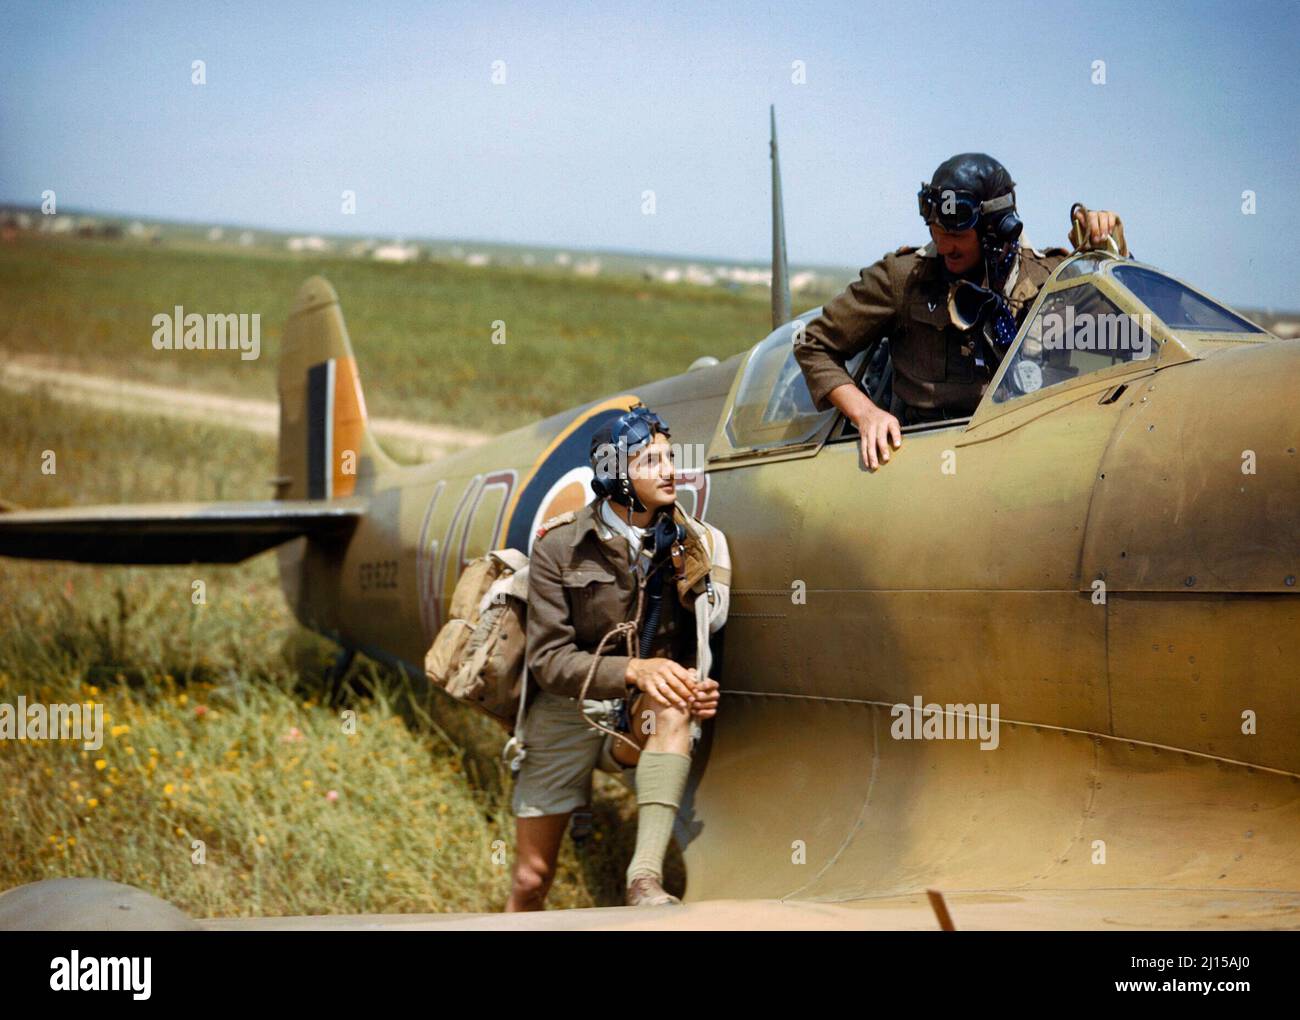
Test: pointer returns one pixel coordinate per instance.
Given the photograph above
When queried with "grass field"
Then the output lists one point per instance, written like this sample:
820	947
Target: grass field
422	332
217	738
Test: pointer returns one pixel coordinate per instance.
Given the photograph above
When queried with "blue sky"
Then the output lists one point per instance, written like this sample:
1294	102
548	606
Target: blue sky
605	101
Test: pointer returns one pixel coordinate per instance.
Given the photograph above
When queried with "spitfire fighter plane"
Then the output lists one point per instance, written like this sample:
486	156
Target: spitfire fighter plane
1106	552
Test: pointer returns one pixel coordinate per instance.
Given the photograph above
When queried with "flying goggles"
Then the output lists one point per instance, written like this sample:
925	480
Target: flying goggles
956	209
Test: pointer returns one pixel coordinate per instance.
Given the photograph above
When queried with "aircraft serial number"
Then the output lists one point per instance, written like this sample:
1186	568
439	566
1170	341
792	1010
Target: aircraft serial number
378	574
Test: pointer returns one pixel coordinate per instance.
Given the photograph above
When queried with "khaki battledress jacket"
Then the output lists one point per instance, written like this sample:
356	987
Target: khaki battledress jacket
905	296
581	584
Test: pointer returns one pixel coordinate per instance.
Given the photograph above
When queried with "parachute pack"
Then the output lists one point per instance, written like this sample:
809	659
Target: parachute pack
478	655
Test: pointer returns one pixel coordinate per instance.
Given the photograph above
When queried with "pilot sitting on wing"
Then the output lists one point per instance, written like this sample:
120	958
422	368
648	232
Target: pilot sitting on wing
612	563
940	369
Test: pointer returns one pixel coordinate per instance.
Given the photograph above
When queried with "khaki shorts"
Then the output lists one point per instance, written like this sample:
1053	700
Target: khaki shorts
562	751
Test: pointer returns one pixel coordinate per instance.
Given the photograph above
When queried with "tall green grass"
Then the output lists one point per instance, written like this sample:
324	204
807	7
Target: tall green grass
218	731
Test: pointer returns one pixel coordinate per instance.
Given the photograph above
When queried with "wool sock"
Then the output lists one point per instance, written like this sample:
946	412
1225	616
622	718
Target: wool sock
660	782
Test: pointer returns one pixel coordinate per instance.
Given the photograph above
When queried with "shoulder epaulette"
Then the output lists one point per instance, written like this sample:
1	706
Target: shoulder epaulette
568	517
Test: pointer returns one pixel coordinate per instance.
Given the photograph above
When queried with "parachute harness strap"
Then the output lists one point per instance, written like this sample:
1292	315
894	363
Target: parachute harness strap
628	631
514	752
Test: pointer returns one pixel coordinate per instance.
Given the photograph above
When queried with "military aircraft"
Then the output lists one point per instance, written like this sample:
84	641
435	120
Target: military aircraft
1103	557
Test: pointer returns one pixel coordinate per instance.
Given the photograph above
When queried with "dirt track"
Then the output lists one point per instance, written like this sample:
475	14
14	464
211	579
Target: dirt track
26	372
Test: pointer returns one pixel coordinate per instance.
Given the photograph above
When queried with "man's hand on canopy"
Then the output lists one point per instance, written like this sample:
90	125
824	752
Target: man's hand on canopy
1093	228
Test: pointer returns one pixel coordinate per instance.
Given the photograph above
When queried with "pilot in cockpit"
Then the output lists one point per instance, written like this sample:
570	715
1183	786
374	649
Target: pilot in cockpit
949	309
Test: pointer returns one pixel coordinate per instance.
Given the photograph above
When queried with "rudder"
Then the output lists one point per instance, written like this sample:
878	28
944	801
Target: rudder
326	447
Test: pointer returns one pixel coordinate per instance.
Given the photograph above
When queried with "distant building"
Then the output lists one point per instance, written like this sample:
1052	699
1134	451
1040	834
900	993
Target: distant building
477	258
139	232
314	243
396	253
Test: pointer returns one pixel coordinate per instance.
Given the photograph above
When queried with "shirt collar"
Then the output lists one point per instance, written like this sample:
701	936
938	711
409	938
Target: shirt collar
591	519
616	526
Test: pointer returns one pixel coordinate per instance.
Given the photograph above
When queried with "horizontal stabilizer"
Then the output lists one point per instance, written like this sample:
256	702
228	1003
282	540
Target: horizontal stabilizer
175	533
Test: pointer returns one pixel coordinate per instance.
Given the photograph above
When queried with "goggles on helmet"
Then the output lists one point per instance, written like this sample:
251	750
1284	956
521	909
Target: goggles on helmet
636	428
612	448
955	209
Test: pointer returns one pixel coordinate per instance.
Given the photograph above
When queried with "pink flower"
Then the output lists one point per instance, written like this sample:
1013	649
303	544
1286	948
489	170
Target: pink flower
200	710
293	736
332	796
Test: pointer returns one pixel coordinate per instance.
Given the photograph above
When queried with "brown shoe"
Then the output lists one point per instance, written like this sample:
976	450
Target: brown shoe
646	891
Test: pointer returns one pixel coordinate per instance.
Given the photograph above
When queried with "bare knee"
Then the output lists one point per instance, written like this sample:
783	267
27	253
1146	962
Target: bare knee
671	729
531	882
537	842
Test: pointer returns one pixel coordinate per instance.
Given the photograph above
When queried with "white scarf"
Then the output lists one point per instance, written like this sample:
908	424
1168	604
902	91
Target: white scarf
635	536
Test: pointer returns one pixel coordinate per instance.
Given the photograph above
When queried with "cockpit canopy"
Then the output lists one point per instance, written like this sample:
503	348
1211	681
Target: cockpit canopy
773	406
1098	312
1095	314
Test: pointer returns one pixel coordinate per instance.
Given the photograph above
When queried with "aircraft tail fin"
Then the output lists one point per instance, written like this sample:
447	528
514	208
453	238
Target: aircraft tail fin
326	445
327	454
782	306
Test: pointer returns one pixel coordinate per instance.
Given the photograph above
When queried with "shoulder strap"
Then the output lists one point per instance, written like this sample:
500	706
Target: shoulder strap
568	517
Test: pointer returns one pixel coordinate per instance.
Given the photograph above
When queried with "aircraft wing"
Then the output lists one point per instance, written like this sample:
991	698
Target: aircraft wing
171	533
984	910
